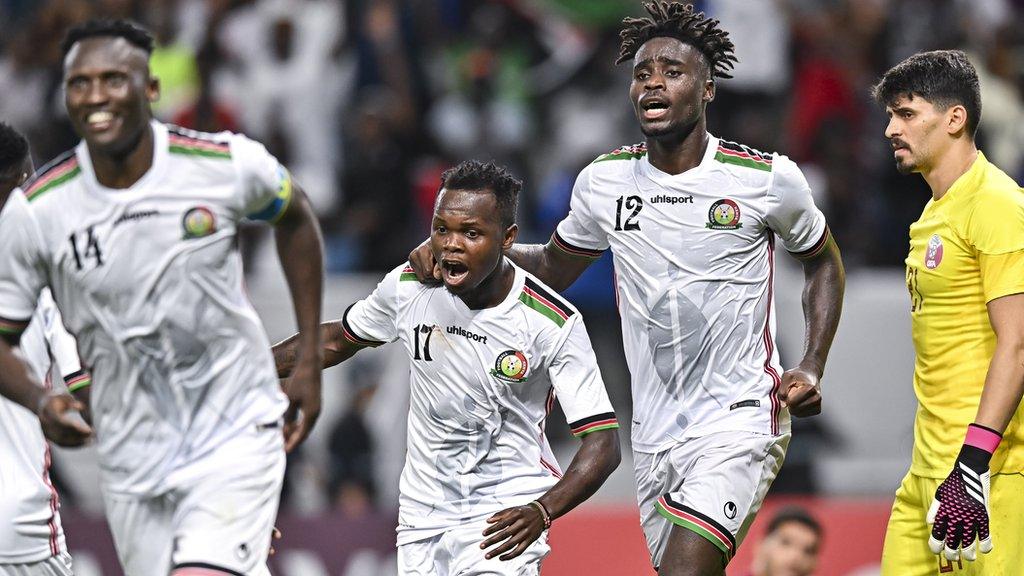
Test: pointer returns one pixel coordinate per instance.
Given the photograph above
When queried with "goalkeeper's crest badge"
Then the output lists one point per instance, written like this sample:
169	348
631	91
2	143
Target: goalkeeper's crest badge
511	366
933	256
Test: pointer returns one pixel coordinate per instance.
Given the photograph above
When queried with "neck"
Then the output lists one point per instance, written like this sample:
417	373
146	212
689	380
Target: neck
953	164
677	153
124	170
493	290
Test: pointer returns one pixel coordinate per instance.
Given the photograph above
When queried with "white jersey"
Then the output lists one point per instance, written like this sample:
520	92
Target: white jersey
150	281
483	382
694	276
30	530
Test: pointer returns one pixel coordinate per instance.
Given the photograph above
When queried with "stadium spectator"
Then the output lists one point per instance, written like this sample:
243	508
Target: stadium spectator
790	546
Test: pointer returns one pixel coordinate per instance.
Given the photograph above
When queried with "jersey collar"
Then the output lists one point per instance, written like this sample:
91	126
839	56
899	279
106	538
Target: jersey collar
664	178
152	175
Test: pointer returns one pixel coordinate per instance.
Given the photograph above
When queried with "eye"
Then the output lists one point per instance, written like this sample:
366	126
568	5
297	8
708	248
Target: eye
642	76
440	229
78	83
673	73
472	233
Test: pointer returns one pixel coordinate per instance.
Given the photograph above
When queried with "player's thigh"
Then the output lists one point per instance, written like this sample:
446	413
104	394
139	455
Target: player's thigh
143	532
687	553
905	551
463	545
59	565
224	522
420	558
726	477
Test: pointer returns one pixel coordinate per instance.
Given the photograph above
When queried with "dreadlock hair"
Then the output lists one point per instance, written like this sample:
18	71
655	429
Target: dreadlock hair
135	35
13	148
489	177
679	21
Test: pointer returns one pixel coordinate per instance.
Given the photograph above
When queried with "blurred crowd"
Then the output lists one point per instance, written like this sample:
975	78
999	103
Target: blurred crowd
368	101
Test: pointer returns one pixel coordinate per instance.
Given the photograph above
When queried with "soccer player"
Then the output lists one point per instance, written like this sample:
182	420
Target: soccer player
491	349
965	274
31	535
791	545
692	221
135	233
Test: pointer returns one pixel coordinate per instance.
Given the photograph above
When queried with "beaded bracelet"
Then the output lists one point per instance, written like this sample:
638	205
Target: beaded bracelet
543	513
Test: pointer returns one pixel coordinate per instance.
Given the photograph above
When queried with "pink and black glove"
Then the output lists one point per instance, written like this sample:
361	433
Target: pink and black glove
959	512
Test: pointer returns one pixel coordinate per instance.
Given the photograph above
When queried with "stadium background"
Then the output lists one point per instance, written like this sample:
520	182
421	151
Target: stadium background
369	100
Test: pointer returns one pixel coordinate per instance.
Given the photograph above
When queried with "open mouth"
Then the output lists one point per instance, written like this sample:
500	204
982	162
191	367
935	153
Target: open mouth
453	272
99	121
653	108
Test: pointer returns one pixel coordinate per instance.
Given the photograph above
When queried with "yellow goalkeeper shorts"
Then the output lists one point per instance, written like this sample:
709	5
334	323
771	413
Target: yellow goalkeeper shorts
906	551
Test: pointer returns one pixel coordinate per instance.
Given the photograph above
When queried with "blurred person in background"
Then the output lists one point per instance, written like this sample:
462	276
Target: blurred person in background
791	545
31	534
964	492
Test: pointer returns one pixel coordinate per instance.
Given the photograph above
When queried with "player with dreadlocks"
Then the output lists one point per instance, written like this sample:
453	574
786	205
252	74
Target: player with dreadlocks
691	220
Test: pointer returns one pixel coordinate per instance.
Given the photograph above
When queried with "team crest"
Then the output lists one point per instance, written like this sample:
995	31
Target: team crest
511	366
199	222
933	256
724	215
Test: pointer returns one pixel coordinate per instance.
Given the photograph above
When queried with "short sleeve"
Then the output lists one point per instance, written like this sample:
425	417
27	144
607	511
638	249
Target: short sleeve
578	384
791	212
1001	274
373	320
63	346
22	268
579	234
996	223
266	185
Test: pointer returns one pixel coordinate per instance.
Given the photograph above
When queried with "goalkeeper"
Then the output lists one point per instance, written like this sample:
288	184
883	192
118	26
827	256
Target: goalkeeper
965	273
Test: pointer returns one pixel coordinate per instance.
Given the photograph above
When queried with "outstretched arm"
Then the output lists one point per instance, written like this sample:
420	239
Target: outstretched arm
516	528
824	284
18	385
335	349
552	265
300	250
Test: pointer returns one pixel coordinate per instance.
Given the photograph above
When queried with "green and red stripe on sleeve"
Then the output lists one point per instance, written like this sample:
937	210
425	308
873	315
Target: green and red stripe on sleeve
595	423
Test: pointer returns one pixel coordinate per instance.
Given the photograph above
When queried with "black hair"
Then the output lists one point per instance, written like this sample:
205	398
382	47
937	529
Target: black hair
13	148
476	175
794	514
135	34
943	77
679	21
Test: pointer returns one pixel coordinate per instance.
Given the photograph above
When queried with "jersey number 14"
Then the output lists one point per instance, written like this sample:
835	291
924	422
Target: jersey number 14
85	246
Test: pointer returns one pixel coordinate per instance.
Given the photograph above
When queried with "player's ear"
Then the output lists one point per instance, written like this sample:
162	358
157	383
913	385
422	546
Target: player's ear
153	89
709	91
956	119
511	233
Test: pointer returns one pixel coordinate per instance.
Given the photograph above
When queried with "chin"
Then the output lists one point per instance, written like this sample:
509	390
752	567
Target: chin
905	168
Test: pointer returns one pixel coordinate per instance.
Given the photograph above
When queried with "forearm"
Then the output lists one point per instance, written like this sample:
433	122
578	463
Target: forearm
335	349
300	250
545	261
1004	386
596	459
16	381
822	299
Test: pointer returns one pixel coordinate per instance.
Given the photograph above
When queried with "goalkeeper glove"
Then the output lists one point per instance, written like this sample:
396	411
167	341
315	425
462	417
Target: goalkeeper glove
959	514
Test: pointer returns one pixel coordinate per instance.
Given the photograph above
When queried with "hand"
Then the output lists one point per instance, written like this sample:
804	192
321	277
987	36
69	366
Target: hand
275	534
801	392
57	418
959	511
303	392
422	261
518	527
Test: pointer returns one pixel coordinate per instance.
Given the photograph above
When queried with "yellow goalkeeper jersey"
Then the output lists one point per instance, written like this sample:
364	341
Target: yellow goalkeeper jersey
966	250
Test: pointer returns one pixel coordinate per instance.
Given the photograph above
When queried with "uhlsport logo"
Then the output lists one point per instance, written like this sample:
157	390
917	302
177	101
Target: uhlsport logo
933	256
724	215
199	222
511	366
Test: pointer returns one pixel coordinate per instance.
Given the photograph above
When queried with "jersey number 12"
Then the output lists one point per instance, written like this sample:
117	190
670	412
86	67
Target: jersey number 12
634	203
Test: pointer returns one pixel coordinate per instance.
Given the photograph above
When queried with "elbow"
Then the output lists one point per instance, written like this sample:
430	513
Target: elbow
613	452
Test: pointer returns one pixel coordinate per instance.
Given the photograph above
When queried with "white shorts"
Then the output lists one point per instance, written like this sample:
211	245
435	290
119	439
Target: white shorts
457	552
713	485
220	523
59	565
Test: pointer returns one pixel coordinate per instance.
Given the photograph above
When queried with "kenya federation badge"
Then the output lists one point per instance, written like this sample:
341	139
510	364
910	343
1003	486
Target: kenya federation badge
724	215
199	222
511	366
